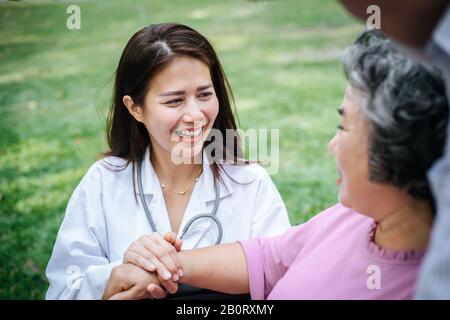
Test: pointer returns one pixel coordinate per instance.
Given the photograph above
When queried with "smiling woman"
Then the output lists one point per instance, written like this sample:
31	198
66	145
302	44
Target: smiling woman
170	92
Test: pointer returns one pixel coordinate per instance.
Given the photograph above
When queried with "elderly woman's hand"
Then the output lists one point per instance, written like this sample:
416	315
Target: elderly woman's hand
156	253
129	282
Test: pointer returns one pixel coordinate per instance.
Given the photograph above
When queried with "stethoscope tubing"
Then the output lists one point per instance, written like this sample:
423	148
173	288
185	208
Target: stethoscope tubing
212	215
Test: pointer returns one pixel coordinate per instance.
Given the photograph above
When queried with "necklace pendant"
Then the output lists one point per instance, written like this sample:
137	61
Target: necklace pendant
181	193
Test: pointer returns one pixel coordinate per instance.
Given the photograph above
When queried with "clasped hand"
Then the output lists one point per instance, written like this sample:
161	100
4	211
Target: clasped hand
150	269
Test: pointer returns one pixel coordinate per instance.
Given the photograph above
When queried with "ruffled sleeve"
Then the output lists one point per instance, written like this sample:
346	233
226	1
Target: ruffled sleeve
387	255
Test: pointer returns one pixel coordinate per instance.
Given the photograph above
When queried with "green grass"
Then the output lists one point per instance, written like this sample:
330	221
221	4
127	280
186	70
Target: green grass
282	59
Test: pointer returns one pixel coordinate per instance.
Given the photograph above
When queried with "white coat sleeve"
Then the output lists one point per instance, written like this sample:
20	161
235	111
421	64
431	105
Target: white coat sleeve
79	267
270	216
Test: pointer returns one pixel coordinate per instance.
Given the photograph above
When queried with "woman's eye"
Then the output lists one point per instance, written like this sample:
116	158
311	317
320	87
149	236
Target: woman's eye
174	101
340	127
205	94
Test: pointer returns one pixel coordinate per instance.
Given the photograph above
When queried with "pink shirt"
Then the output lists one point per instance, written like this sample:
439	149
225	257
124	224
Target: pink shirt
332	256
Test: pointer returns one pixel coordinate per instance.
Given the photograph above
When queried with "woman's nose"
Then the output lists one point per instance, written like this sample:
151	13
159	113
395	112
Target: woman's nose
193	112
332	144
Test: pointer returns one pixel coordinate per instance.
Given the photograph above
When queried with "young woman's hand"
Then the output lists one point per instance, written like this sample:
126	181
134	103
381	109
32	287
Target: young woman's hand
129	282
155	291
156	253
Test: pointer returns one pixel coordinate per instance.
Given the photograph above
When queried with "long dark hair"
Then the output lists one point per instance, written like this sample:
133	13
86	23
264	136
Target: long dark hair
148	51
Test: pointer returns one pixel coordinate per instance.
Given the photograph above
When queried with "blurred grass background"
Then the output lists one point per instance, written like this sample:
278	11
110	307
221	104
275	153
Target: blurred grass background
282	59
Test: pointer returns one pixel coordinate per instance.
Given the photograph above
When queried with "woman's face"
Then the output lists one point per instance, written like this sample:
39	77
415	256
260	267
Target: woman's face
180	108
350	146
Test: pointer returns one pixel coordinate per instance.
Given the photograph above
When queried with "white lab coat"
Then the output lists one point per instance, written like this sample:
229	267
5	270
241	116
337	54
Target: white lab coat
103	218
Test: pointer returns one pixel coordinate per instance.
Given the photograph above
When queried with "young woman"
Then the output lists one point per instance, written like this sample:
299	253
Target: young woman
170	93
371	244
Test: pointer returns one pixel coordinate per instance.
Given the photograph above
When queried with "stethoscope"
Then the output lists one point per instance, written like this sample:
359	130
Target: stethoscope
212	215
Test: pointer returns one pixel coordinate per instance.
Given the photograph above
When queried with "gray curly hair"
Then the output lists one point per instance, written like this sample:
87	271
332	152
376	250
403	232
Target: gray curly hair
406	106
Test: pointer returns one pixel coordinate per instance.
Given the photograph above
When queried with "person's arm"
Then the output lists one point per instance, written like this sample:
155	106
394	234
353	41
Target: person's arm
220	268
409	21
79	267
434	276
252	266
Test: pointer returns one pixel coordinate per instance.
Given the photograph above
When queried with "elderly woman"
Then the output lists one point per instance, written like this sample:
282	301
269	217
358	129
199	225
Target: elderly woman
371	244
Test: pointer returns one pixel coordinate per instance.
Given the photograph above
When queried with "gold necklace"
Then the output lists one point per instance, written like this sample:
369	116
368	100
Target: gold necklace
164	186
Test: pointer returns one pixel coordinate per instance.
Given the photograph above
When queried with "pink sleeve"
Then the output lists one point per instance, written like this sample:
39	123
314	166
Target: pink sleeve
268	259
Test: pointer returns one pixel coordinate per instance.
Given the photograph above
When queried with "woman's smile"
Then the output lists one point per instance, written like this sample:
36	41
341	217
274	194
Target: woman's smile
190	135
